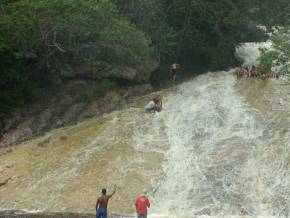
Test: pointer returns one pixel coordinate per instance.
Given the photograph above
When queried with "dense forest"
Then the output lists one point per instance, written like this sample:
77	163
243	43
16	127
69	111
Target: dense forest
44	43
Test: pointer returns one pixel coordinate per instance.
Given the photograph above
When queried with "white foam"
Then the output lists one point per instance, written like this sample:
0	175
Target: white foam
218	161
248	53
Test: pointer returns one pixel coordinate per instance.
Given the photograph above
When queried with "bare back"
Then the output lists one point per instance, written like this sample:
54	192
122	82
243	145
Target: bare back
103	201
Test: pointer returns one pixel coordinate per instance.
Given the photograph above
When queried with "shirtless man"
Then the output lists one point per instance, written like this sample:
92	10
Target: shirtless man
102	203
255	71
158	104
174	68
239	72
269	74
246	73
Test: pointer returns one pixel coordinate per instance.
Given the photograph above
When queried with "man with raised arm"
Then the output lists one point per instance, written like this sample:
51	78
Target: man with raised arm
102	203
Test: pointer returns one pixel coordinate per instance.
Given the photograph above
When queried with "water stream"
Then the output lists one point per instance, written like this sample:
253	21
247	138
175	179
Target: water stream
219	148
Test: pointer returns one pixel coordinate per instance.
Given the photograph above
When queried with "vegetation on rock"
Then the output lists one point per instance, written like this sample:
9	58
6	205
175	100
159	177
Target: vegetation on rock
44	43
278	55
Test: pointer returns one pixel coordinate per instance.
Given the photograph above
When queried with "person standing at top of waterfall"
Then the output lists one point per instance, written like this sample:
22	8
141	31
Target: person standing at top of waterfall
174	68
141	204
102	203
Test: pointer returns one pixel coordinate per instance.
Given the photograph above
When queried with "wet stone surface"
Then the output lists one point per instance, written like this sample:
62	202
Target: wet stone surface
21	214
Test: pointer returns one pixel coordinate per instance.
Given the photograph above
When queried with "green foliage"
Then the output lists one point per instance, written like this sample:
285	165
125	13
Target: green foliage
270	13
41	41
279	55
67	71
266	59
193	32
150	16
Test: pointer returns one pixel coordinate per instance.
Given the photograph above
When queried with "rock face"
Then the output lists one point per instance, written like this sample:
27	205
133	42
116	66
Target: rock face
106	70
126	73
65	108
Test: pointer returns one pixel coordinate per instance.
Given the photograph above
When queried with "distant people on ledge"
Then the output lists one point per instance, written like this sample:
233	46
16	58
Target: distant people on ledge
102	203
154	105
141	204
255	72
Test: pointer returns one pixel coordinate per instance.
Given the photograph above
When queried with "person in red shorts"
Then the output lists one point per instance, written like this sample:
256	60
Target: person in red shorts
142	203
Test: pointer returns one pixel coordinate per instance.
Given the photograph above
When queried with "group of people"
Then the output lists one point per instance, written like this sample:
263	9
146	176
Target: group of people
255	72
155	105
141	204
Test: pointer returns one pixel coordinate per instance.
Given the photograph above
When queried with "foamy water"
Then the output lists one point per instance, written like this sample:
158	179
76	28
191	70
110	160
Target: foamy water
218	149
248	53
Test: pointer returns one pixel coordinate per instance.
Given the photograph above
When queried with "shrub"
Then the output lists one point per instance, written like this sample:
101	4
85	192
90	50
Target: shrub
41	40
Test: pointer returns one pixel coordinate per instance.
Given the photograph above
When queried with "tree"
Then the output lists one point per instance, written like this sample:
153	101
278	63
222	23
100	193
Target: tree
278	55
41	42
150	16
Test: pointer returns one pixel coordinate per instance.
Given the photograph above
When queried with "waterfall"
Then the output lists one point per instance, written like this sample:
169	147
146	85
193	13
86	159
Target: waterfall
219	148
218	162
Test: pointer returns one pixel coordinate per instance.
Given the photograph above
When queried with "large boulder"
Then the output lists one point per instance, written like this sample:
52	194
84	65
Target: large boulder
123	72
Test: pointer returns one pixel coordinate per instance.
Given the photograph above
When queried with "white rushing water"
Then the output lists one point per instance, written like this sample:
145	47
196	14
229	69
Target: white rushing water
223	154
219	148
248	53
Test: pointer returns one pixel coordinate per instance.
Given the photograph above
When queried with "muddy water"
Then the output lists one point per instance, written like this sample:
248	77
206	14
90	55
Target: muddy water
220	147
65	170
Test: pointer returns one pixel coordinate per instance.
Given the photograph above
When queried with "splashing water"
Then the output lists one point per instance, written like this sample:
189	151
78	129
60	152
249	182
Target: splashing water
220	160
219	148
248	53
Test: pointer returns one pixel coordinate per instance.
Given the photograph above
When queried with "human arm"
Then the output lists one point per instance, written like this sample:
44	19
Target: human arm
112	192
148	203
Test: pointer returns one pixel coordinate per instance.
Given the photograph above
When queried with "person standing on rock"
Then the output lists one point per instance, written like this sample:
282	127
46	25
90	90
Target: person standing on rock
102	203
142	203
173	68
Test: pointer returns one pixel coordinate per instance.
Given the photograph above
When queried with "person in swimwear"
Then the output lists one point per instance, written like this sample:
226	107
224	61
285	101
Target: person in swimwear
174	68
102	204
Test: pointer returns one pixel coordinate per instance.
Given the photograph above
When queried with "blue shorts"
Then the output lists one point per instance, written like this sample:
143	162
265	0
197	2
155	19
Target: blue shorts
101	213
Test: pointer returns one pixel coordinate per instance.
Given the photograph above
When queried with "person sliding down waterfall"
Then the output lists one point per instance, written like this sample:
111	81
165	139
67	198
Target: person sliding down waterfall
154	105
102	204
